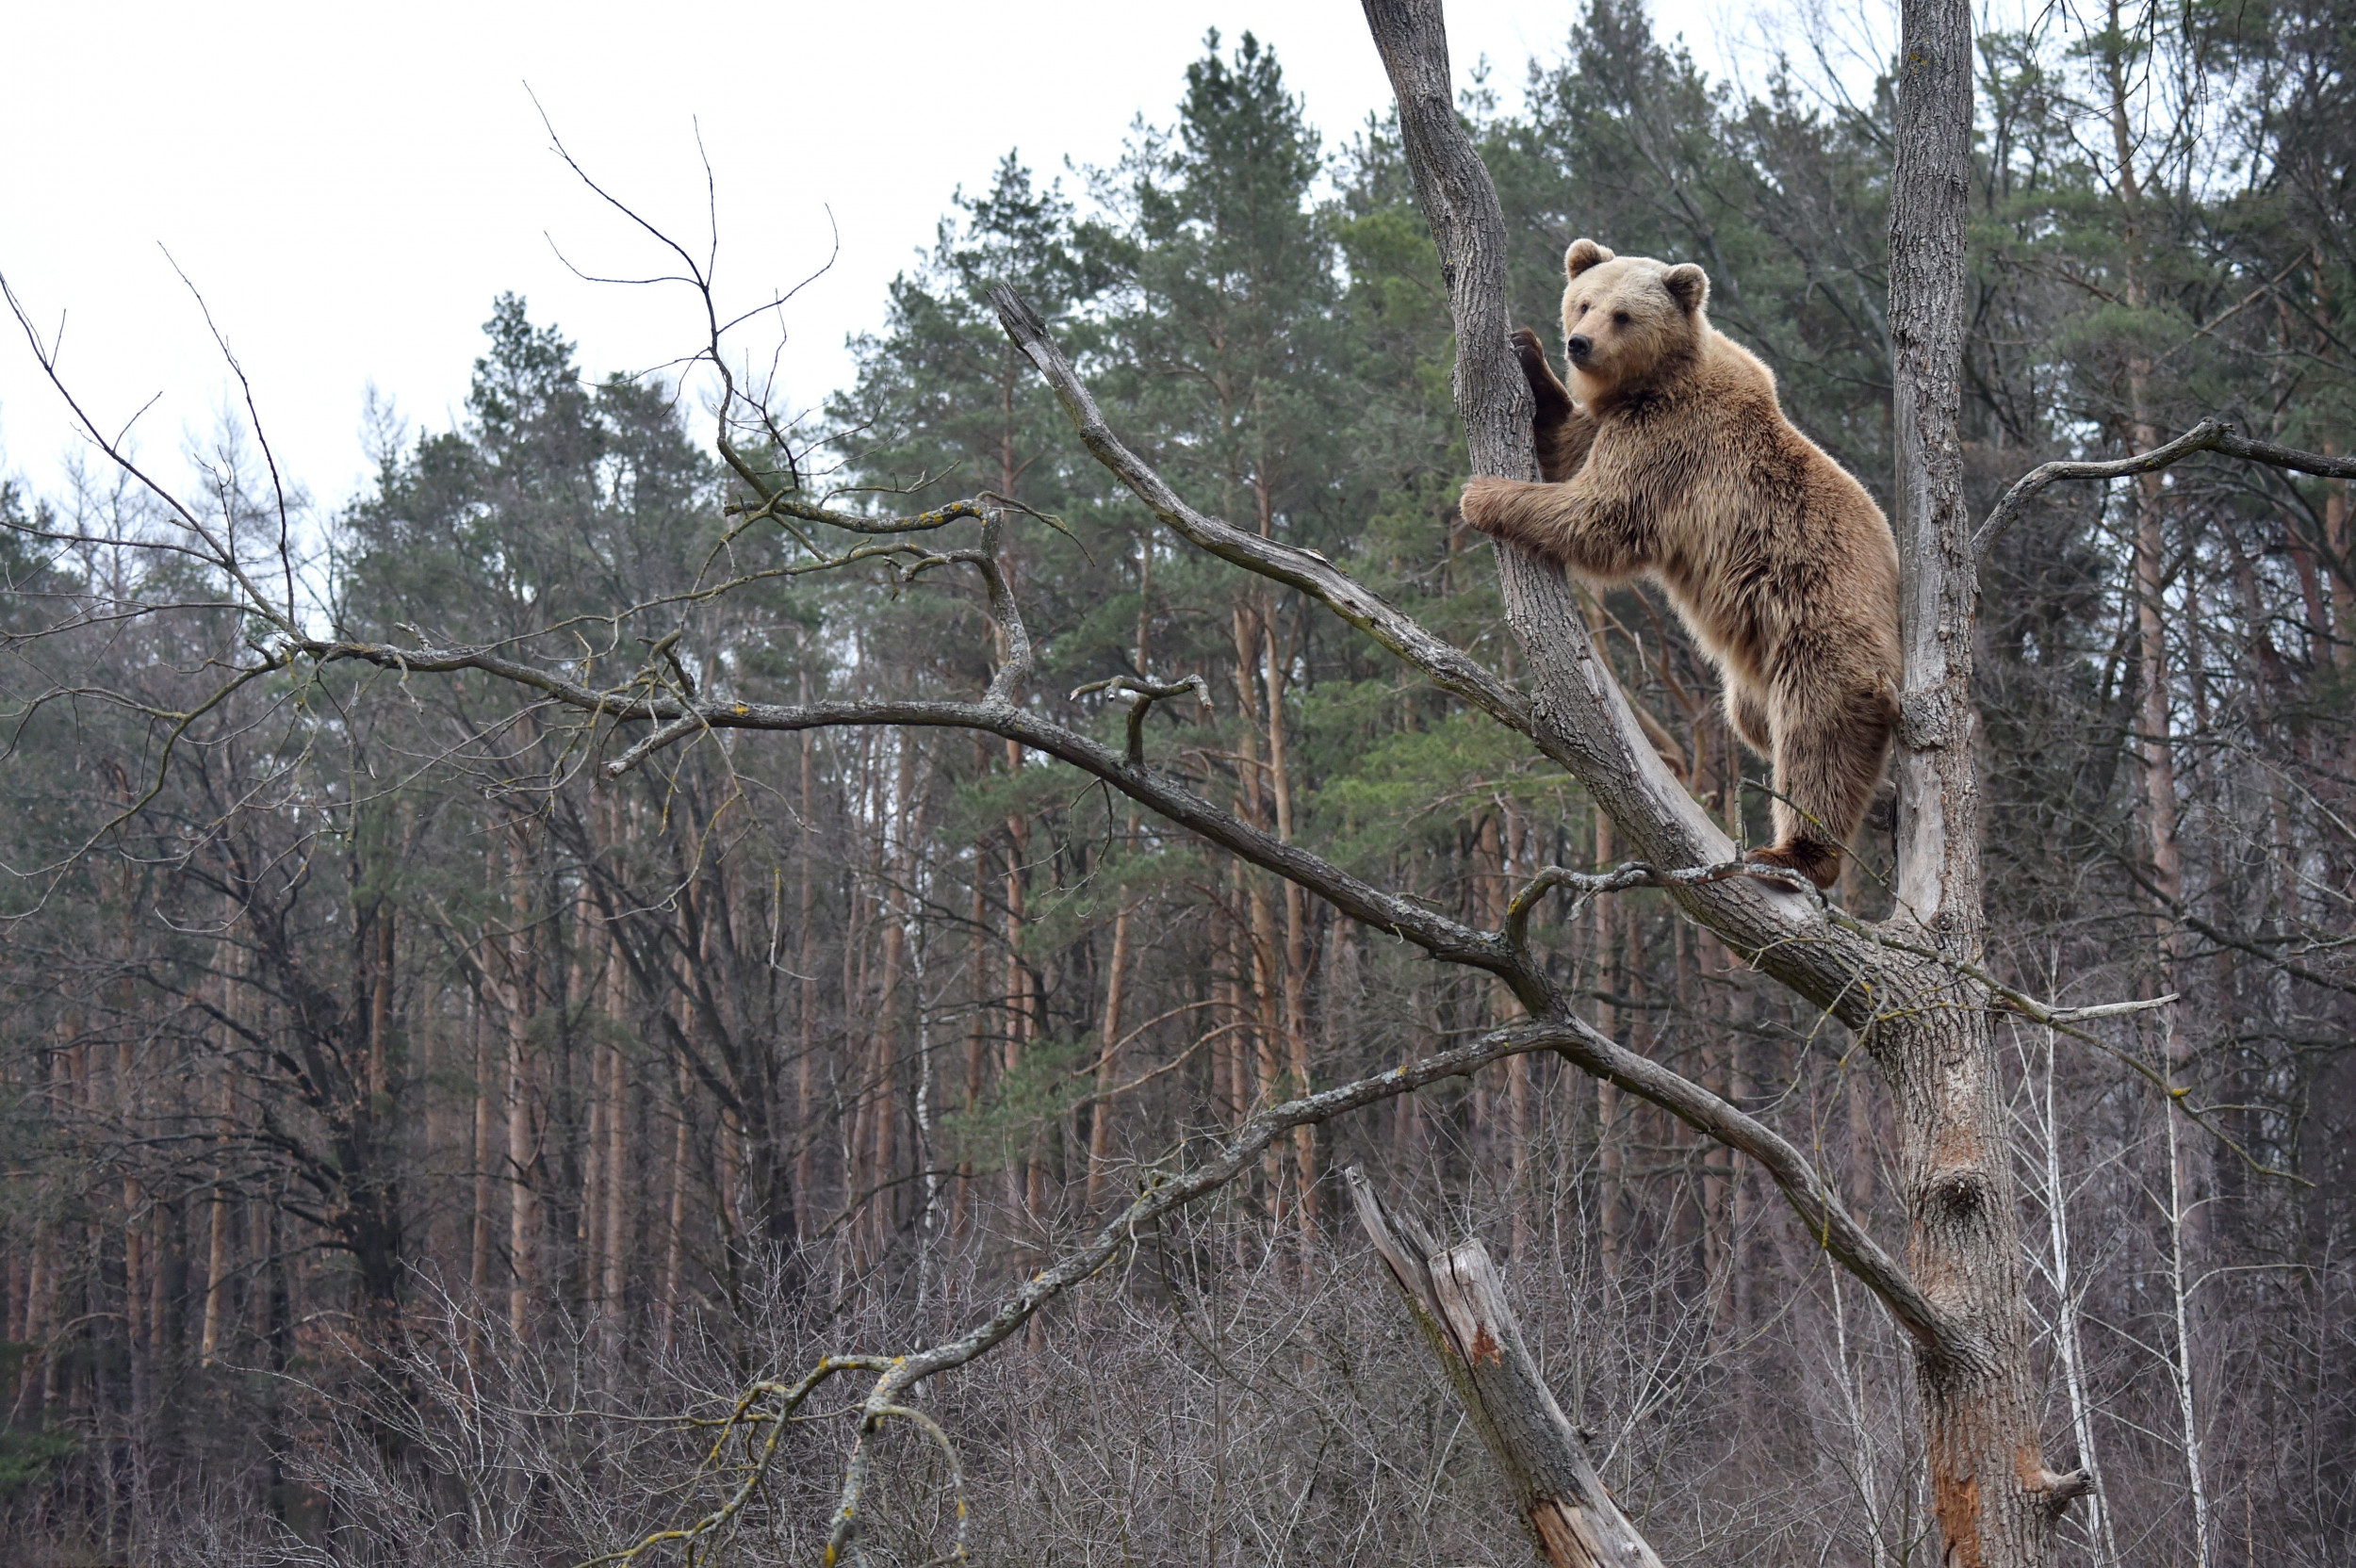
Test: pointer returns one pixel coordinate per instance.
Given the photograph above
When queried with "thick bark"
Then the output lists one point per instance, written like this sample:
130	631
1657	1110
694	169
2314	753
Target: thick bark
1457	1300
1995	1500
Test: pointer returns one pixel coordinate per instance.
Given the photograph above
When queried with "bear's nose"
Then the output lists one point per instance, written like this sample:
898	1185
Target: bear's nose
1580	345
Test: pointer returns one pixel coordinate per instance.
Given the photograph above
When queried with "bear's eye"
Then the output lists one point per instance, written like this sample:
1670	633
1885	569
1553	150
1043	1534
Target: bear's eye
1582	307
1621	318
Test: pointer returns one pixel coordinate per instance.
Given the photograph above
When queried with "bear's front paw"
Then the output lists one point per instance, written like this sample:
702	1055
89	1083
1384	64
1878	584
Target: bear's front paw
1485	502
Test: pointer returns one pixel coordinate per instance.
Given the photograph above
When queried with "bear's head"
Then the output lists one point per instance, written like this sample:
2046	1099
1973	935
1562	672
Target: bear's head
1627	319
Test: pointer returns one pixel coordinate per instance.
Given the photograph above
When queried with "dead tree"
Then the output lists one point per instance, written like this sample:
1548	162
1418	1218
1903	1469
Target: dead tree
1456	1299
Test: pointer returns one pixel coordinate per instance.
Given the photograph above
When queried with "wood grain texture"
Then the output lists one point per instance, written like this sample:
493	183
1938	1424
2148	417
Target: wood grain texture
1458	1301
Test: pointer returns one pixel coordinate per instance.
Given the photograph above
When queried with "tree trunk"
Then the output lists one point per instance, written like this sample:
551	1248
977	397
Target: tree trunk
1296	954
381	1016
523	1211
674	1219
614	1288
1995	1500
217	1229
1458	1301
806	985
479	1238
1026	1183
1265	959
589	1226
1100	1115
976	1028
609	1289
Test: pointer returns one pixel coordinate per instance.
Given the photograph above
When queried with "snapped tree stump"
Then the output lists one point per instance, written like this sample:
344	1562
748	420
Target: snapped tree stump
1456	1299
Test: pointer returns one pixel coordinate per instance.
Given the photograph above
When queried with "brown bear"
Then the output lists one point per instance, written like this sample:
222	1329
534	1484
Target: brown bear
1669	457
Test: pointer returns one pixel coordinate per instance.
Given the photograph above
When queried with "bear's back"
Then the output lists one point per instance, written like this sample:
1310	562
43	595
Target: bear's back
1760	520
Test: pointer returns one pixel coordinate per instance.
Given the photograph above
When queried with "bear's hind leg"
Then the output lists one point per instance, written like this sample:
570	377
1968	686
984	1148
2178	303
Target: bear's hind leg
1828	750
1747	714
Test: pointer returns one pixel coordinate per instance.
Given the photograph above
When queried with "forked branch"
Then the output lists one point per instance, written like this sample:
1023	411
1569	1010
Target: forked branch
1143	692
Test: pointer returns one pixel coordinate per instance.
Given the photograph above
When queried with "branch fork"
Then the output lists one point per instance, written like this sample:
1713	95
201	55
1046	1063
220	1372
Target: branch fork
1143	691
1637	874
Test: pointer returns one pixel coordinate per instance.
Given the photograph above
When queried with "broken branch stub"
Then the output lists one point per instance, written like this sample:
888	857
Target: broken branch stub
1456	1299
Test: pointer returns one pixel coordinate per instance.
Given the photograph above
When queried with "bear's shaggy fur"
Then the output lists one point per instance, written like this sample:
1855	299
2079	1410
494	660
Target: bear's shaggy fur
1669	457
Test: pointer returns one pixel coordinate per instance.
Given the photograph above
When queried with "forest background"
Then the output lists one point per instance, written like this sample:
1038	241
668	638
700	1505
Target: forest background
403	1122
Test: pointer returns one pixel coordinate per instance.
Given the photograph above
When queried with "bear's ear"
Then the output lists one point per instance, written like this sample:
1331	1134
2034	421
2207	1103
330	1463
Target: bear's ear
1582	254
1688	285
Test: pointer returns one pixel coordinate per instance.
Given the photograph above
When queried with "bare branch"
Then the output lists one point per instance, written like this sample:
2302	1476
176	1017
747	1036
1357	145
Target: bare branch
254	414
217	552
1808	1191
789	1398
2212	435
1447	666
1636	874
1161	1192
1010	677
1142	693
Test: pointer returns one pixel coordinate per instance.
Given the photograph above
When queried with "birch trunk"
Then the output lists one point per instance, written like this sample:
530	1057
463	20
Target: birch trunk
2072	1368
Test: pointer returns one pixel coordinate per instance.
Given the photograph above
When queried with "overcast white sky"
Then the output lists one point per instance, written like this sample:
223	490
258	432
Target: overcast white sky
350	186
